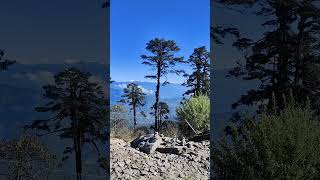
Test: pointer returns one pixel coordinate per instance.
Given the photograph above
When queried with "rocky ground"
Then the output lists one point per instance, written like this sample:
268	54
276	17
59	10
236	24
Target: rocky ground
130	163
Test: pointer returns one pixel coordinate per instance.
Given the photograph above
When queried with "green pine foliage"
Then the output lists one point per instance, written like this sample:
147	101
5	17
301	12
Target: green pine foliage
276	145
135	98
198	81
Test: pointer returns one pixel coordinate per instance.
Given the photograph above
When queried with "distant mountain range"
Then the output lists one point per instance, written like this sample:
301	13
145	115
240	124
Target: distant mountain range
21	89
171	94
226	90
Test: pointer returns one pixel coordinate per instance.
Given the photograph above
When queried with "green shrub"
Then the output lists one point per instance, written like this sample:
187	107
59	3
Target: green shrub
196	111
282	145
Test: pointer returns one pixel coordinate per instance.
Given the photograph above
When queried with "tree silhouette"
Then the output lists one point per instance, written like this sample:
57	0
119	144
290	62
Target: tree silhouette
285	57
220	32
25	158
134	96
78	111
163	61
199	80
5	63
106	4
163	113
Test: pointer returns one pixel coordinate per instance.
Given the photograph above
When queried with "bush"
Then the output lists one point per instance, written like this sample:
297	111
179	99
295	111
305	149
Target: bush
170	129
282	145
196	111
25	156
118	118
119	124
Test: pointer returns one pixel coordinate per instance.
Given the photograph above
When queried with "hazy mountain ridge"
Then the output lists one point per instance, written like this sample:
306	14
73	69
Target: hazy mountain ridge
226	90
21	90
171	94
21	87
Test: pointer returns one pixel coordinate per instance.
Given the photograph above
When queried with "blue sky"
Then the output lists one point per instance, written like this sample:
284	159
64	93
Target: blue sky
134	23
53	32
226	56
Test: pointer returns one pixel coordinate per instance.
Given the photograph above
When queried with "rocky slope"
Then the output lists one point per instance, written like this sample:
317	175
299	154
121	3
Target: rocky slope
129	163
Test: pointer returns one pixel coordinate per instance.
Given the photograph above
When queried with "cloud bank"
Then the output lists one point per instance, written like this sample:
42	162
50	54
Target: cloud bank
144	90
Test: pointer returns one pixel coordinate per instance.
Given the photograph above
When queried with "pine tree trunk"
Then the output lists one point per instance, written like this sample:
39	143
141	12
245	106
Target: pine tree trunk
77	143
156	128
301	27
134	117
160	124
198	81
18	175
283	78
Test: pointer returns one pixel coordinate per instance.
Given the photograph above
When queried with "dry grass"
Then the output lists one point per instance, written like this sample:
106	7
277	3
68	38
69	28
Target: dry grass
169	129
125	135
128	135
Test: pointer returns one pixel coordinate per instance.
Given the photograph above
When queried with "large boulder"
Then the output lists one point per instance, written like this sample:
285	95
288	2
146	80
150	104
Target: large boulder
148	143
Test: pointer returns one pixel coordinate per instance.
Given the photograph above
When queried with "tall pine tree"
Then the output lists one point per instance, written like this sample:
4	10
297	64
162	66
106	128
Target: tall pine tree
78	110
281	58
135	97
163	61
199	81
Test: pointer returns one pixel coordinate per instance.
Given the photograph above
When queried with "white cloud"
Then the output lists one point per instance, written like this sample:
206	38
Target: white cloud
147	91
175	82
122	86
42	77
71	61
152	81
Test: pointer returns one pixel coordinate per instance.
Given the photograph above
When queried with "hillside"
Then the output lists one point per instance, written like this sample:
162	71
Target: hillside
129	163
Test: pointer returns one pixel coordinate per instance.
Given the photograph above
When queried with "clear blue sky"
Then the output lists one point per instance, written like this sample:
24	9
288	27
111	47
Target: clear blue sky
43	31
135	22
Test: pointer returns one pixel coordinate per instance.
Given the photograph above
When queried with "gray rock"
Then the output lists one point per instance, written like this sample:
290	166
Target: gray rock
183	141
127	162
148	143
